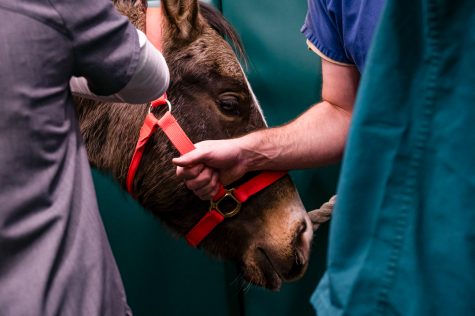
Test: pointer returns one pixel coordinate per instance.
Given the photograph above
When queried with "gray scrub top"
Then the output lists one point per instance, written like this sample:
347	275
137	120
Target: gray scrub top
54	255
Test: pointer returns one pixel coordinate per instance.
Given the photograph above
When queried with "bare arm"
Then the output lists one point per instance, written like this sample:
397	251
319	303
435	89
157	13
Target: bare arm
315	138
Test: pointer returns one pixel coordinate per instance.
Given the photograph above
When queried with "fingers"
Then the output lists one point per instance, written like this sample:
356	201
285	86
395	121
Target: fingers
194	157
208	190
188	173
199	167
204	178
203	181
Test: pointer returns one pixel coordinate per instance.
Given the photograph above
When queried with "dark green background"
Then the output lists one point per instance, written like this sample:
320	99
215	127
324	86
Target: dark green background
162	275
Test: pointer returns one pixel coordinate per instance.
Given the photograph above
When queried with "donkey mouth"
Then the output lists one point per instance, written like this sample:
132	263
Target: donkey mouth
275	271
274	274
272	279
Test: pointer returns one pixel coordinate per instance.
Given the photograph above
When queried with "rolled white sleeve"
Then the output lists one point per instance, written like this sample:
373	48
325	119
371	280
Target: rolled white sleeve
149	82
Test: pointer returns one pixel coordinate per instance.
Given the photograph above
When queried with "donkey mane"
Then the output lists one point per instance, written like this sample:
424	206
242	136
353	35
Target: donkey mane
219	23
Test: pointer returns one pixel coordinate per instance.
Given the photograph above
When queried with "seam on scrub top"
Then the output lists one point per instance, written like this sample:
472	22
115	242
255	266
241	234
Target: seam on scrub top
422	134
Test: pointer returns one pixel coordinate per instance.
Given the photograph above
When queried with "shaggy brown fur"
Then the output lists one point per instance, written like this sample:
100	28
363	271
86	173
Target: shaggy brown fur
211	100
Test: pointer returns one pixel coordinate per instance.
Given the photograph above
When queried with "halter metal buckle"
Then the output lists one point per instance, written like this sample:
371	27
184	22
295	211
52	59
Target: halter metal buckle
228	205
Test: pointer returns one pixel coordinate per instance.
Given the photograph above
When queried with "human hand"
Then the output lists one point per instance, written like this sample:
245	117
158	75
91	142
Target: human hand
211	163
202	180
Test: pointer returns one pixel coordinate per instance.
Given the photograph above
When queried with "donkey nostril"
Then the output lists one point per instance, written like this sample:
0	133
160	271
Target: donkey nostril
298	238
299	264
302	227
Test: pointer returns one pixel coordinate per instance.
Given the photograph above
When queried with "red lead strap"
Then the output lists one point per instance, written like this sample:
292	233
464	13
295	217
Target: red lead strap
183	144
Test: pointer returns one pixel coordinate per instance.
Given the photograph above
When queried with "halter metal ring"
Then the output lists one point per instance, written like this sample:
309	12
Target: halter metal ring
168	103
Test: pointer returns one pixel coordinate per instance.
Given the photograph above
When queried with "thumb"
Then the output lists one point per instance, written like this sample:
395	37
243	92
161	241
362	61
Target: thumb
189	159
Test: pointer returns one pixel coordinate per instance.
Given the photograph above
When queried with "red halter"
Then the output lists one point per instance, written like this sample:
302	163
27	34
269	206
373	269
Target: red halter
218	209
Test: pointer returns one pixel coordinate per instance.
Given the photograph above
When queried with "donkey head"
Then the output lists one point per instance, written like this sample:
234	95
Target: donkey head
211	98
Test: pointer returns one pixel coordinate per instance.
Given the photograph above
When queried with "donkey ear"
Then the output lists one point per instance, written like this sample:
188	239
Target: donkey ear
183	23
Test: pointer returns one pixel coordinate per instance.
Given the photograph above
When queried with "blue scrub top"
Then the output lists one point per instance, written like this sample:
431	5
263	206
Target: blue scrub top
342	30
402	240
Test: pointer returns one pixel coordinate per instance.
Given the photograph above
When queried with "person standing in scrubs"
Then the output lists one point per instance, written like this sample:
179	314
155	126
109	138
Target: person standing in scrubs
54	255
401	239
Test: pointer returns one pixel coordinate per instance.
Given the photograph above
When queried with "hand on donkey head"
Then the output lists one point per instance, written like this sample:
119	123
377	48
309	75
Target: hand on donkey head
211	163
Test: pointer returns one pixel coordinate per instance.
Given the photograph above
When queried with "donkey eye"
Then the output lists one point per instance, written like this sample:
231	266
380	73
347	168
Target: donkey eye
229	105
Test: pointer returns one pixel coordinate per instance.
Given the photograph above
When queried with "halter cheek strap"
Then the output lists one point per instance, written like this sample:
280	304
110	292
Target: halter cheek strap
171	128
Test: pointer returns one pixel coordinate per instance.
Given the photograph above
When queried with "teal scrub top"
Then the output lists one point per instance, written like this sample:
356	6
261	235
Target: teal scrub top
402	240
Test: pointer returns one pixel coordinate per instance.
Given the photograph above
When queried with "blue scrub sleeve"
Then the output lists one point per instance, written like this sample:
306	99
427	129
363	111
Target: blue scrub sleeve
324	31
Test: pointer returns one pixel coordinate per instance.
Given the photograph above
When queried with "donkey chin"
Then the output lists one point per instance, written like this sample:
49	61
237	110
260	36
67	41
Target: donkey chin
274	257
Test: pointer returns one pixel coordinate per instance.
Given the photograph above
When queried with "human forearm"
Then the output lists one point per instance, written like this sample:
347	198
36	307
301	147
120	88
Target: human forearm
315	138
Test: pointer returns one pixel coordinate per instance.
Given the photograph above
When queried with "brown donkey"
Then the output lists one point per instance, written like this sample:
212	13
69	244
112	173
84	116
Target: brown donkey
211	98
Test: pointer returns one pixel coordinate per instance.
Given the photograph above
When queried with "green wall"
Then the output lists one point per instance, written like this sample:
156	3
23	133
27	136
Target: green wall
162	275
